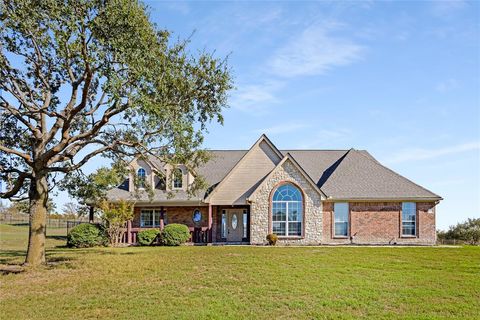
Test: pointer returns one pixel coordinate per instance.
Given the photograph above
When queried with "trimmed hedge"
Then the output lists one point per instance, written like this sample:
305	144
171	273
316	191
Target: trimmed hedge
86	235
174	234
147	237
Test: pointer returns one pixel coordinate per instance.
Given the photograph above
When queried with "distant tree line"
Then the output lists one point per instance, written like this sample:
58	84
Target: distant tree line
468	232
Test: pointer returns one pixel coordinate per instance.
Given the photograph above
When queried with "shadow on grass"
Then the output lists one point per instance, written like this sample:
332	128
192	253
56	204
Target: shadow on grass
56	237
11	261
8	264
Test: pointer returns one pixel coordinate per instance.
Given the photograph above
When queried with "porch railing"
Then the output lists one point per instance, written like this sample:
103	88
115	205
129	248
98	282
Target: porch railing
200	235
197	235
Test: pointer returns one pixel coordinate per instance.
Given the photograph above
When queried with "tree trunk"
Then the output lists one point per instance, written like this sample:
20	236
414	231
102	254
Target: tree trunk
91	214
38	195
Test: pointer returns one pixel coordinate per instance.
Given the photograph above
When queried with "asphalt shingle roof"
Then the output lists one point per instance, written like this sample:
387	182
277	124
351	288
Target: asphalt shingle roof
340	174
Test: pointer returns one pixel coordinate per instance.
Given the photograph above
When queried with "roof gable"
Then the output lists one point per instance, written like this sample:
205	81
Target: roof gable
260	159
289	157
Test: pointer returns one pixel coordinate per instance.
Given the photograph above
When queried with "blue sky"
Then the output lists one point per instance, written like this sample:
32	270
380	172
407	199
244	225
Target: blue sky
400	79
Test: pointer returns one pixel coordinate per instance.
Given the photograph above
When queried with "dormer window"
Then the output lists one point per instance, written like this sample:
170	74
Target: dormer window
141	178
177	179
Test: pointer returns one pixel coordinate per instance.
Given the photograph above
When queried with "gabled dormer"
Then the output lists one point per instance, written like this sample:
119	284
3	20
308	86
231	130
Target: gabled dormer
178	178
167	177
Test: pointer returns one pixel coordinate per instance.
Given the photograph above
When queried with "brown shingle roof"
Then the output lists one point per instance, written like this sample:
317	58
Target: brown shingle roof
360	176
340	174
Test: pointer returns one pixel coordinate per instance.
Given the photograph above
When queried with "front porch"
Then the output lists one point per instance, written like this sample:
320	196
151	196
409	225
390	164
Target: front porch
206	223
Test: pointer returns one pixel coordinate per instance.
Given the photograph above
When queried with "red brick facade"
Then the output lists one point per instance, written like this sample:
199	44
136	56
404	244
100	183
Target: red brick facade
380	223
369	222
183	215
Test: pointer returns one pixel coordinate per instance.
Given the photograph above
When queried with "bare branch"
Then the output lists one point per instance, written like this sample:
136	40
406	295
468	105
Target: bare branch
16	187
25	156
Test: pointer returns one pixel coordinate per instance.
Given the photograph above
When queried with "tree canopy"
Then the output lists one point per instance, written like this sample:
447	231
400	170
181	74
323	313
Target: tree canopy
81	79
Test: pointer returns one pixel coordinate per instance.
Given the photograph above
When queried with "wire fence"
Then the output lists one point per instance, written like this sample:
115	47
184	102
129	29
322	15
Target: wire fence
56	223
455	242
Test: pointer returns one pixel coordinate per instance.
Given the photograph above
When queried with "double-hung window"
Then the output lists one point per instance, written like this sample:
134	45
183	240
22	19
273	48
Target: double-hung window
141	176
409	219
177	179
340	212
150	218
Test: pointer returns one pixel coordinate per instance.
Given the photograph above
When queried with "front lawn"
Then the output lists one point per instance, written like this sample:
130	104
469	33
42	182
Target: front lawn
241	282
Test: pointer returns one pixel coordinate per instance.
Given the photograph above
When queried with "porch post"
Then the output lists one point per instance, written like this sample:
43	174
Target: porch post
210	220
129	231
162	222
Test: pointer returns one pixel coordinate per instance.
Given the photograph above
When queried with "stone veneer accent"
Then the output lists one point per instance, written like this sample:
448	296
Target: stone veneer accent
260	208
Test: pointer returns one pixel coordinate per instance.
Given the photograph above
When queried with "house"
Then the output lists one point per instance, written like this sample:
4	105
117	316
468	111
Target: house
306	197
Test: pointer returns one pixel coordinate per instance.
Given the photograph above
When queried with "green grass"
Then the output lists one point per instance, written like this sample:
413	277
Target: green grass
241	282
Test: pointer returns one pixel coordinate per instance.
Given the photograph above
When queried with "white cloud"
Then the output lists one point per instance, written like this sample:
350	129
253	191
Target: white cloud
178	6
314	52
446	8
424	154
256	98
285	128
326	137
447	85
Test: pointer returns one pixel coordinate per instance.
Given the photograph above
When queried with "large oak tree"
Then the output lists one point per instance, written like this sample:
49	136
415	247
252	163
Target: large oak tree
85	78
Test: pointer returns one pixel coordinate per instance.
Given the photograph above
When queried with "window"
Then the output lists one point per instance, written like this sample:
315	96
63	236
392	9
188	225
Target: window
245	223
287	211
409	219
151	218
224	224
197	216
177	178
340	212
141	178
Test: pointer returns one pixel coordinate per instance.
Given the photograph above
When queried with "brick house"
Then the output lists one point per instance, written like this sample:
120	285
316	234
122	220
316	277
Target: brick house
306	197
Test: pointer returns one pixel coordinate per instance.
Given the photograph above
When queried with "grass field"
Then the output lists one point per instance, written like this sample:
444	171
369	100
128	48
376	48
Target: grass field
239	282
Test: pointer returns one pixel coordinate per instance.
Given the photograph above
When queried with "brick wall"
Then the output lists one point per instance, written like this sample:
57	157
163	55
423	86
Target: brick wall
380	223
181	215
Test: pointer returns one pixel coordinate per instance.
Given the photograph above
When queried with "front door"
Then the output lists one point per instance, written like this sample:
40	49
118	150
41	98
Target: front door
234	225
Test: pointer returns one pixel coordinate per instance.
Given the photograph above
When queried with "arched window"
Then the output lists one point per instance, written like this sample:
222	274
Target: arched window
177	178
141	177
287	211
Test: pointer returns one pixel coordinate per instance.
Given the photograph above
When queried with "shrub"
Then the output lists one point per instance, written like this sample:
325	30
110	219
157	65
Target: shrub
86	235
116	216
146	237
272	239
174	234
468	231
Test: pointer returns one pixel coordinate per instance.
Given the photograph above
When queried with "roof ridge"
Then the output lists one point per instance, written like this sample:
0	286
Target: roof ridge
396	173
334	167
304	173
264	138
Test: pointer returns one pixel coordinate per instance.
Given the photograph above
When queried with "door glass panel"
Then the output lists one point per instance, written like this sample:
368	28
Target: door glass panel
234	221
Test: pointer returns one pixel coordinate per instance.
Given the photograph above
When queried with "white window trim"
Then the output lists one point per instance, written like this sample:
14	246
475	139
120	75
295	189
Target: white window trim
173	180
155	213
414	221
145	178
224	222
287	221
342	236
245	223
